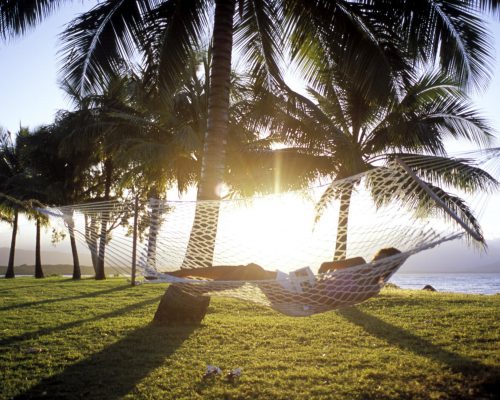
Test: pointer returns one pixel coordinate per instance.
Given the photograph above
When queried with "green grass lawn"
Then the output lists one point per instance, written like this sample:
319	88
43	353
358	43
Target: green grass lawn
61	339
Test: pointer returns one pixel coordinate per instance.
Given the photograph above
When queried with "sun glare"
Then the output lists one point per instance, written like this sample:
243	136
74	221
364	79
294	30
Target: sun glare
273	232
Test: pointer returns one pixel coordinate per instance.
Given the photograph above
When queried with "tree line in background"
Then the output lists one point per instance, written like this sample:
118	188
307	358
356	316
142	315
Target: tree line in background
157	103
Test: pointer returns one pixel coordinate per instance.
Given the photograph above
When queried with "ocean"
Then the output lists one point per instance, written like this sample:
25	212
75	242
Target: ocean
451	282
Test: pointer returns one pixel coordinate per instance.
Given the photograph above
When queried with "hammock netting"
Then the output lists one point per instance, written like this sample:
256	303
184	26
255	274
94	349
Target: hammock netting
292	233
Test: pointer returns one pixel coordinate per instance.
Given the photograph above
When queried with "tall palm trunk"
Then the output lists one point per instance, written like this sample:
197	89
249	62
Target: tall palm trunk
91	238
108	171
153	235
343	224
154	221
38	258
77	273
203	232
10	267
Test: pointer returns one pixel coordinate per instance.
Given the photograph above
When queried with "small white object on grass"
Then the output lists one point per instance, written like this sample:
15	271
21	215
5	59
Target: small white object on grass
234	374
212	370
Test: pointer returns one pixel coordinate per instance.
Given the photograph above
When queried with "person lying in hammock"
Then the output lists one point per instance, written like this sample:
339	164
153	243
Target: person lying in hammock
254	272
340	283
249	272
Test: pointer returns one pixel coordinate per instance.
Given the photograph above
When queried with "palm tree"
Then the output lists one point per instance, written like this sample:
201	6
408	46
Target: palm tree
40	184
56	178
25	187
12	186
7	168
359	132
40	220
101	126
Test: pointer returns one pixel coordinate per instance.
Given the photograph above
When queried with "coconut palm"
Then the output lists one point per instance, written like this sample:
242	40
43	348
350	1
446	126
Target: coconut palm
60	176
41	220
93	129
13	220
359	132
12	188
159	138
8	168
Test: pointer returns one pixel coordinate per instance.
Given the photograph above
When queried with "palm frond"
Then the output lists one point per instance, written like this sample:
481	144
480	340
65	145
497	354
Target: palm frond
460	208
464	174
173	29
413	197
96	42
349	36
18	16
433	107
258	40
450	33
331	105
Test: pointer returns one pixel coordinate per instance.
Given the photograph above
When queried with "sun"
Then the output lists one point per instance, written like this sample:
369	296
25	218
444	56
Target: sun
274	232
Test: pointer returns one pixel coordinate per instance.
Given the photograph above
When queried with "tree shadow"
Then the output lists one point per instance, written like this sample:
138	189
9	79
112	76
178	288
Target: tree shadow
114	371
76	297
10	340
484	378
10	288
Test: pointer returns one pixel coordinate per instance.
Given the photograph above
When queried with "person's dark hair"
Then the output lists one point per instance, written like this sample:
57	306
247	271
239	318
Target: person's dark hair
387	252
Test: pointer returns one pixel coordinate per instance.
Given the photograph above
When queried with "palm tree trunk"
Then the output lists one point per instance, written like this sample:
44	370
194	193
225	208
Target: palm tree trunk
91	239
343	224
134	241
38	258
203	233
77	273
108	171
154	220
100	274
10	267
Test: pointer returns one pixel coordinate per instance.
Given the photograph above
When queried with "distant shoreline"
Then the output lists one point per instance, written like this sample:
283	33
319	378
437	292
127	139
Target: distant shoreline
67	269
59	269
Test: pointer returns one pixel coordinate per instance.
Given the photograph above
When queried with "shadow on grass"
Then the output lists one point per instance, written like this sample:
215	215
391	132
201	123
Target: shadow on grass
485	379
11	288
10	340
114	371
77	297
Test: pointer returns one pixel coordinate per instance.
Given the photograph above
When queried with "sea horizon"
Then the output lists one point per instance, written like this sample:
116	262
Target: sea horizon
450	282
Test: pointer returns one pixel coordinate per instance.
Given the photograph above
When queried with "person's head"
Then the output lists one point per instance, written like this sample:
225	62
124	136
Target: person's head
387	252
383	253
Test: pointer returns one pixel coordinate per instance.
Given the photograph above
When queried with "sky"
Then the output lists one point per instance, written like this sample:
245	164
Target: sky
30	95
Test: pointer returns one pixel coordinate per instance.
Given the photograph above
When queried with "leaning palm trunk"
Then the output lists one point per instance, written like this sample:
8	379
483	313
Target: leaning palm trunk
10	267
203	235
77	274
38	258
343	224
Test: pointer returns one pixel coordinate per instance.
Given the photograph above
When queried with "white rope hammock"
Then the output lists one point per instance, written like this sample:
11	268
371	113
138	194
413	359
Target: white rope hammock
278	233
